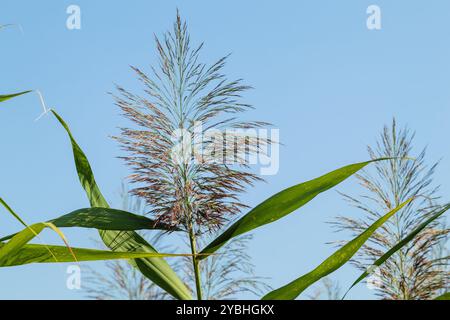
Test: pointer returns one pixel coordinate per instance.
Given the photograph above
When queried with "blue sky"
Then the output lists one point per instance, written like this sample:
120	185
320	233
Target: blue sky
326	81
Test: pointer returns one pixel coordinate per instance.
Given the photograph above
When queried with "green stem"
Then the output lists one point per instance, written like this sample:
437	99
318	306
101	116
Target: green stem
196	264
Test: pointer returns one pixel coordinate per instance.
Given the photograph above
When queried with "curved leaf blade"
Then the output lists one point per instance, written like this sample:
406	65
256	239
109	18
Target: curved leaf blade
29	233
107	219
400	245
284	203
10	96
156	269
104	219
19	240
292	290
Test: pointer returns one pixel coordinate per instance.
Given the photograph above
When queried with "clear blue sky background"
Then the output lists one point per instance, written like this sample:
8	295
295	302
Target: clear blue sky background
326	81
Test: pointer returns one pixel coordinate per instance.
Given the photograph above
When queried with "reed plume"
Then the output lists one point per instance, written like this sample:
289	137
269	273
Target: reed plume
188	180
416	271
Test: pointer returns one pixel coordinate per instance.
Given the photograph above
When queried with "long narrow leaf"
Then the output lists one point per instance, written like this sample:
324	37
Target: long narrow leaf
11	211
284	203
10	96
104	219
400	245
331	264
156	269
18	252
107	219
32	253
